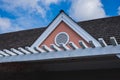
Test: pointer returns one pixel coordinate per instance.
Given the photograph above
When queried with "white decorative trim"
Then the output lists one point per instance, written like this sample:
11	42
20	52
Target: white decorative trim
46	48
54	47
57	53
3	53
23	50
102	42
73	45
17	51
9	52
39	50
65	47
59	34
32	50
82	44
113	41
78	53
63	17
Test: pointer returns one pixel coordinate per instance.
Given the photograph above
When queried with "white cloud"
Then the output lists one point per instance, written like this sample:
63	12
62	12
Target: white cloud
28	14
27	5
48	2
6	26
4	23
86	9
119	10
31	6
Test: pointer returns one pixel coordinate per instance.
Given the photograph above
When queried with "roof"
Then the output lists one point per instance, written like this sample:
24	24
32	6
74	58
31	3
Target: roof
99	28
20	38
103	28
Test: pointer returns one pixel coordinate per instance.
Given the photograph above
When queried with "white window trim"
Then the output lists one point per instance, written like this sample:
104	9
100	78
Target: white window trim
60	33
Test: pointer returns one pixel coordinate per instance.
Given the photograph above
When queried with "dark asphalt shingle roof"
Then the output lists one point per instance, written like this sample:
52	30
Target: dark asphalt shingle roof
99	28
20	38
103	28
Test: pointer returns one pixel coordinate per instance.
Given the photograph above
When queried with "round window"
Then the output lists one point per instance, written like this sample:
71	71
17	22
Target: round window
61	38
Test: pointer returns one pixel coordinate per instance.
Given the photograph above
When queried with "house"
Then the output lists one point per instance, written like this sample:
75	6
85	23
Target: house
64	45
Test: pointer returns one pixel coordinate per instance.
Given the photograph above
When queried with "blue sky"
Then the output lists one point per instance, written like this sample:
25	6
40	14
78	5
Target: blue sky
18	15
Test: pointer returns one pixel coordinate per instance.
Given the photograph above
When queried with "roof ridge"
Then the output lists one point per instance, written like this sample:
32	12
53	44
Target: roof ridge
108	17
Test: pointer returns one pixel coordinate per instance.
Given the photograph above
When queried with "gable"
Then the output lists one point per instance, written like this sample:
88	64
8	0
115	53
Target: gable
63	28
62	17
98	28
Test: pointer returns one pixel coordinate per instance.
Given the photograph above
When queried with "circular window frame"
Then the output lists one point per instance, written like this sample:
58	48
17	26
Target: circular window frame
58	35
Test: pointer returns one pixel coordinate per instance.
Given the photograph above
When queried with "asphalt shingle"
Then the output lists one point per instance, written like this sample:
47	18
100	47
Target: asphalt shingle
99	28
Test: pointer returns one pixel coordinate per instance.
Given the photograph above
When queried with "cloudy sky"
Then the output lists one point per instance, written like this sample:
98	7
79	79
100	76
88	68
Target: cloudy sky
18	15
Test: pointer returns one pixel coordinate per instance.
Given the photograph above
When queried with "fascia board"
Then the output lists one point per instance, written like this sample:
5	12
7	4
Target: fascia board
45	34
80	31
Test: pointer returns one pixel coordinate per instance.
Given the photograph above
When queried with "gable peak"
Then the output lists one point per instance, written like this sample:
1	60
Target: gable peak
63	17
62	11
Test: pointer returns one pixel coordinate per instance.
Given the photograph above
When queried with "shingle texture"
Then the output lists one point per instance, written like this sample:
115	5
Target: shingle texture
20	38
103	28
99	28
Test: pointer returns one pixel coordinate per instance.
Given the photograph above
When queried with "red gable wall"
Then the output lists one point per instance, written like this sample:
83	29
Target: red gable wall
63	27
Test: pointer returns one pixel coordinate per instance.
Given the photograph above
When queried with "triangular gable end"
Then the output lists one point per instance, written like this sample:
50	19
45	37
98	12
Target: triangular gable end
73	25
